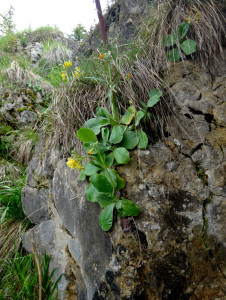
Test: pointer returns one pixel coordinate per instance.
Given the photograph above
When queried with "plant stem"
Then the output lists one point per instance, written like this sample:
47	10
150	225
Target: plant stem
111	97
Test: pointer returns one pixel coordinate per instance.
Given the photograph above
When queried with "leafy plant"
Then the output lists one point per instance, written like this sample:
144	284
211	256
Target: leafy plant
178	38
107	140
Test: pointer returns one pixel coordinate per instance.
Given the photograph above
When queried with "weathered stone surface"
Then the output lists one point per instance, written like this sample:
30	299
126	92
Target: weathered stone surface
36	204
28	116
176	248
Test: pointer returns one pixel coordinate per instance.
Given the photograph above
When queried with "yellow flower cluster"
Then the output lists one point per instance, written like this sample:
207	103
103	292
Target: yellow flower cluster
78	72
73	163
63	75
193	17
67	64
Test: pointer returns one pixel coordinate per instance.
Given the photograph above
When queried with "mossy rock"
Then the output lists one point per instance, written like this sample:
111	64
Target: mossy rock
20	110
31	94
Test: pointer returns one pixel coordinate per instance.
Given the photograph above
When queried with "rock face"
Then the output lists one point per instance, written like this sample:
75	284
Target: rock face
176	249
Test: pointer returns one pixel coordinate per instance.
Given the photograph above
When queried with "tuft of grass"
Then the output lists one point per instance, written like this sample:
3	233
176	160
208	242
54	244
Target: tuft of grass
20	278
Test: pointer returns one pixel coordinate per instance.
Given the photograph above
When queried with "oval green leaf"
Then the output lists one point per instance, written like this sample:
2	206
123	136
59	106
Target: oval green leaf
169	40
121	155
105	134
143	139
116	135
130	140
111	176
86	135
120	182
127	208
129	115
91	193
105	199
90	169
183	30
174	55
101	183
106	217
138	117
188	46
94	124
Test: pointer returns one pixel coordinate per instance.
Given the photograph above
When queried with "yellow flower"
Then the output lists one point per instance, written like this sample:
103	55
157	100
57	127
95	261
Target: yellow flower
63	75
91	151
74	164
131	102
188	19
128	75
78	73
67	64
191	12
101	56
76	57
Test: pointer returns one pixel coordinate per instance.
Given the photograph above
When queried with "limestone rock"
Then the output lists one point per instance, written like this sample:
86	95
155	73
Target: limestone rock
28	116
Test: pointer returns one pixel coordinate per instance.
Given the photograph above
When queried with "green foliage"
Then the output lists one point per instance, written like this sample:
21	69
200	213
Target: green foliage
107	142
78	33
188	46
20	280
8	43
10	198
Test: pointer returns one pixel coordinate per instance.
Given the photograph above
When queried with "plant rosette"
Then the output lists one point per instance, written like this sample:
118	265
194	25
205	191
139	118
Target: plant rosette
107	143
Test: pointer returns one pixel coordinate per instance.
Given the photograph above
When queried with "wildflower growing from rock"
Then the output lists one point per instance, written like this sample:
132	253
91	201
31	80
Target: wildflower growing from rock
101	56
73	163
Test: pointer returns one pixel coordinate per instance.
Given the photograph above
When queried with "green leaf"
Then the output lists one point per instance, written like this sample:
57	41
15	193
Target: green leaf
82	176
188	46
101	183
130	140
120	182
105	134
102	112
174	55
86	135
183	30
116	135
127	208
109	159
105	199
110	174
169	40
139	116
121	155
143	139
91	193
155	95
112	121
90	169
129	115
106	217
94	124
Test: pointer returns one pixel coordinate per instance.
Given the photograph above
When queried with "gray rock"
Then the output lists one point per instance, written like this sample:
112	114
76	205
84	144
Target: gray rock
36	204
28	116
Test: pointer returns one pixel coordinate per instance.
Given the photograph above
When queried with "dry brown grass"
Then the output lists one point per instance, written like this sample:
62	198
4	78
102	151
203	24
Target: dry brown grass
22	76
10	238
166	16
77	102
